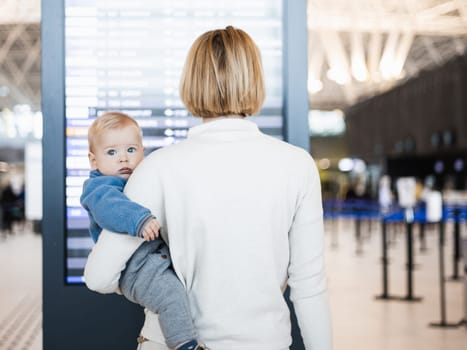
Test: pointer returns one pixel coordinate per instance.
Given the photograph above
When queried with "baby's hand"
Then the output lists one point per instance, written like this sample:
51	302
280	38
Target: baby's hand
151	230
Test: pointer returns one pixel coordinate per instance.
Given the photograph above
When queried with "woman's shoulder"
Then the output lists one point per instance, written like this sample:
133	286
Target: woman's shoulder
288	150
268	147
165	155
166	151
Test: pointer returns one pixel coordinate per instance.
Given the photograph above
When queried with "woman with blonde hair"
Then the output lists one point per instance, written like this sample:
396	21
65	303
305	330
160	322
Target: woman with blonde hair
241	211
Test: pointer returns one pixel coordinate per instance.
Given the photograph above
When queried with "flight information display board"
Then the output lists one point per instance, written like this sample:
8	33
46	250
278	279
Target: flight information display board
128	56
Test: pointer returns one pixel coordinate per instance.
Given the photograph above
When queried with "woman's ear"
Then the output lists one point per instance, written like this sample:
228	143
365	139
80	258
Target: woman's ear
92	161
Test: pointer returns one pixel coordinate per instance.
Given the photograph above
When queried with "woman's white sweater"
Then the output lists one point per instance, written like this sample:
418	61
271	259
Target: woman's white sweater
242	214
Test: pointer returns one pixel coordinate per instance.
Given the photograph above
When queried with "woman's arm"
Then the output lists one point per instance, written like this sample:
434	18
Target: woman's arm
107	260
307	279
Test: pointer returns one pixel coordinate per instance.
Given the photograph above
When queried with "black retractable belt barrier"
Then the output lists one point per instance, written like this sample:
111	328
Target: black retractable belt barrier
370	226
463	322
442	288
331	211
457	245
410	262
334	226
410	257
385	262
422	237
358	234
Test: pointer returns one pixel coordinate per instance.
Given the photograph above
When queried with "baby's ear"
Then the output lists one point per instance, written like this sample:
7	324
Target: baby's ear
92	161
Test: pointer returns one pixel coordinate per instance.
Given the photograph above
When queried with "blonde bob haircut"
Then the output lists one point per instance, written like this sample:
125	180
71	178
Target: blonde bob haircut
109	121
223	75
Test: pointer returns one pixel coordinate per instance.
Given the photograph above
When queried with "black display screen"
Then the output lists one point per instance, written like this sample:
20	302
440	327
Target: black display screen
128	56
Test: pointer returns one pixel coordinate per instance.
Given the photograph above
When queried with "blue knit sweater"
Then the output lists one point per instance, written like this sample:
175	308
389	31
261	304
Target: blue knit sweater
109	208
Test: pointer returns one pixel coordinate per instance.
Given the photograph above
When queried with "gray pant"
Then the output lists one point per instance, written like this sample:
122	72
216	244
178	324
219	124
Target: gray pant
149	280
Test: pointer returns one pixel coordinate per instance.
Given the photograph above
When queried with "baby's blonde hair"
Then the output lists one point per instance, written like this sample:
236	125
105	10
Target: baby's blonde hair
109	121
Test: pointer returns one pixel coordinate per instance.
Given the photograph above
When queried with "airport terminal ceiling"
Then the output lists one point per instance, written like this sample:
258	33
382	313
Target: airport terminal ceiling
357	48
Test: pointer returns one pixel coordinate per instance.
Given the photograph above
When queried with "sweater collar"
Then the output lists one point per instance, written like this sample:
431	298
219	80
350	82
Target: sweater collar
94	173
223	125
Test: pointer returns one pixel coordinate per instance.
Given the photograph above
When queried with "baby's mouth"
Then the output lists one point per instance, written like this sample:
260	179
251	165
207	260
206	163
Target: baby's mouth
125	171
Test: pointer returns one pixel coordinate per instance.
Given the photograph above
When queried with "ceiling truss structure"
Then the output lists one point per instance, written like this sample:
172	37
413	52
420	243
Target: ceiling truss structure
20	51
360	48
357	48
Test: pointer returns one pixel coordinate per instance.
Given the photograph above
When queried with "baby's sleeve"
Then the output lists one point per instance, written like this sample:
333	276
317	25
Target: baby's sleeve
110	208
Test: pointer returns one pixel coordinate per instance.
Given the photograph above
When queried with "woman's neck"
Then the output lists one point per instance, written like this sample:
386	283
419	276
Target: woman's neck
232	116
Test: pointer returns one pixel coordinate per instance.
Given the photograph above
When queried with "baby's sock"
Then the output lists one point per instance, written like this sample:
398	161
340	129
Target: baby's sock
191	345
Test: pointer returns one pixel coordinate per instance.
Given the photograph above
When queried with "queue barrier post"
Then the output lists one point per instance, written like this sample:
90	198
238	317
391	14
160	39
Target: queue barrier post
442	288
457	256
409	219
463	322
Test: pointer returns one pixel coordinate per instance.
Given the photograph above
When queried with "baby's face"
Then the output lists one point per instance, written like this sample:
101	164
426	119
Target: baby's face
117	152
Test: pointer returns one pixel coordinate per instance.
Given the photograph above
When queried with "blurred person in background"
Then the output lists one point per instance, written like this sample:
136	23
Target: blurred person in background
12	208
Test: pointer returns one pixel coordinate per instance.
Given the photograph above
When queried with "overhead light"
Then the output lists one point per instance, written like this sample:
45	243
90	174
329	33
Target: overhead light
359	71
359	166
314	85
324	163
386	70
458	165
338	75
355	165
358	65
439	167
345	164
387	64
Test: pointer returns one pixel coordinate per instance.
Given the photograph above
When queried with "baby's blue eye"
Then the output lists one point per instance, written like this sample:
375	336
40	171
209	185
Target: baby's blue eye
111	152
131	150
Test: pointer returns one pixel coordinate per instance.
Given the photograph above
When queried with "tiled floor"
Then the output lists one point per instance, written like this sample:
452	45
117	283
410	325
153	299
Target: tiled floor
360	322
20	291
